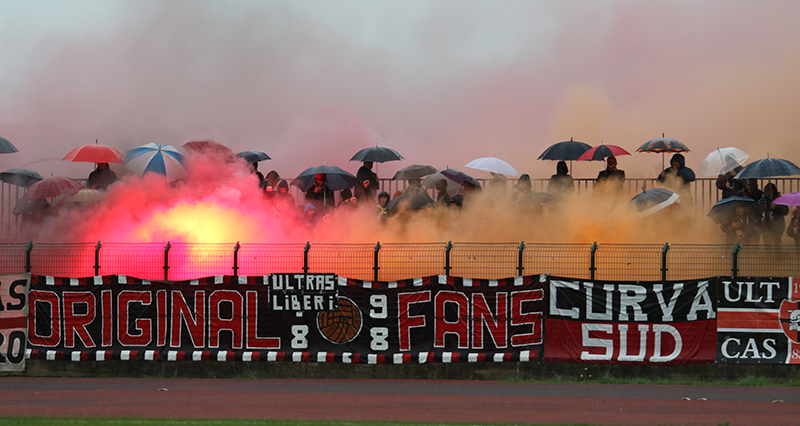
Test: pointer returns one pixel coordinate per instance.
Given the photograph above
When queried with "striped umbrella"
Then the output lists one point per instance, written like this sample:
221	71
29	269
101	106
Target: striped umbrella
768	167
162	159
52	187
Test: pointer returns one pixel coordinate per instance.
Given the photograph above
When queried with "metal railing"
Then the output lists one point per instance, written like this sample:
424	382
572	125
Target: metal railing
397	261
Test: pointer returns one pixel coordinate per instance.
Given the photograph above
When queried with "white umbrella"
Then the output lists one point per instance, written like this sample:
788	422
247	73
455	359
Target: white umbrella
722	160
493	165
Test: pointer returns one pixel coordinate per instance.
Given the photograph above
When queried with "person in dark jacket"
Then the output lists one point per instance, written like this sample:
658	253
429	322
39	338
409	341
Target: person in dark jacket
101	177
772	221
442	198
283	197
678	171
561	183
522	189
728	185
612	178
369	183
319	194
741	226
751	190
793	230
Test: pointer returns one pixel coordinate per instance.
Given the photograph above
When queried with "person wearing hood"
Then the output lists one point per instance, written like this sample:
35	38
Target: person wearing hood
310	215
561	183
677	171
283	197
383	200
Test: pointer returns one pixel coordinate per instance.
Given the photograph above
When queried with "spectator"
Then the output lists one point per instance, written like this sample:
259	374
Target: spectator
346	199
522	189
259	175
611	179
751	190
442	198
678	172
740	226
383	200
793	230
414	187
561	183
272	179
319	194
772	222
282	196
369	183
101	177
728	185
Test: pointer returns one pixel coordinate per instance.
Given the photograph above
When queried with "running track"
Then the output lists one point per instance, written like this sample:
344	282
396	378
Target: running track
400	400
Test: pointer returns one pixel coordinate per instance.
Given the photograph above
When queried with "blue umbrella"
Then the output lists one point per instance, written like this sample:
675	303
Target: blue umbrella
6	147
768	167
162	159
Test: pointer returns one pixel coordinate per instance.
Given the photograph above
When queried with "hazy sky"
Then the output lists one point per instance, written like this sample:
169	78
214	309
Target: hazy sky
442	82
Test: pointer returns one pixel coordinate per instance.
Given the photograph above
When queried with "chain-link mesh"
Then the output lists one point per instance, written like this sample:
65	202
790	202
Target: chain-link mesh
347	260
74	260
399	261
265	259
628	262
690	261
769	261
140	260
484	260
12	258
561	260
189	261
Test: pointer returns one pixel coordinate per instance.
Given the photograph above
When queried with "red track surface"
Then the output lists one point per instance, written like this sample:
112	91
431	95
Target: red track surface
400	400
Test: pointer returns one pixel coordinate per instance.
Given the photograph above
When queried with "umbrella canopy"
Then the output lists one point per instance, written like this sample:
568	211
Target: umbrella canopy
722	160
601	152
460	177
768	167
663	144
94	153
413	171
20	177
410	201
492	165
25	205
202	146
565	151
788	199
6	147
86	195
653	200
52	187
452	186
162	159
253	156
377	154
724	207
335	178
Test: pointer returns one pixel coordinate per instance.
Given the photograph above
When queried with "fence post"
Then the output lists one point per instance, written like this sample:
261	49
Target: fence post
664	261
97	259
519	259
28	256
166	261
375	267
447	249
735	261
305	256
236	259
592	267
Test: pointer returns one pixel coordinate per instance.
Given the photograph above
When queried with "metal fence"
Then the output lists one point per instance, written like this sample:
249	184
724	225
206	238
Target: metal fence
397	261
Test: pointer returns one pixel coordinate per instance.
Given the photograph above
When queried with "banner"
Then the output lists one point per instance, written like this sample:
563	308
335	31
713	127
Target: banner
631	322
288	317
759	320
13	325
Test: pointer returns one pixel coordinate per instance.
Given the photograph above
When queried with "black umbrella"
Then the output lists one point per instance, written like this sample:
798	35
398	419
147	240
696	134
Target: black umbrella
653	200
724	207
6	147
377	154
768	167
460	177
413	171
253	156
565	151
20	177
335	178
410	201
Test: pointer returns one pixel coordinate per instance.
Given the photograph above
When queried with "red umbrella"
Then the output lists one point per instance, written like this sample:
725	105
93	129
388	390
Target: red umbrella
94	153
52	187
601	152
206	145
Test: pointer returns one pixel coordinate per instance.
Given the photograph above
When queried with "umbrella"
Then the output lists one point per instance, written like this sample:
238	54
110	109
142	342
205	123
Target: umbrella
20	177
663	145
492	165
452	186
788	199
565	151
87	195
52	187
162	159
721	161
653	200
94	153
768	167
601	152
25	205
460	177
201	146
377	154
413	171
6	147
335	178
253	156
410	201
724	207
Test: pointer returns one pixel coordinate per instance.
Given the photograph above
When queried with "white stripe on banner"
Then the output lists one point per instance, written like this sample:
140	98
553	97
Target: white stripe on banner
74	282
247	356
149	355
518	281
442	279
98	280
194	282
297	356
767	311
51	355
75	356
125	355
322	356
423	356
346	358
342	282
367	284
49	281
418	282
393	284
447	357
100	356
472	357
750	330
398	358
222	356
218	279
242	280
272	356
498	357
492	283
525	356
146	282
467	282
265	279
27	354
172	356
197	356
122	279
372	359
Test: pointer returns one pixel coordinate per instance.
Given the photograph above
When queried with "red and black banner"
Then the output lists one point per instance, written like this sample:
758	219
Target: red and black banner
759	320
290	317
631	322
